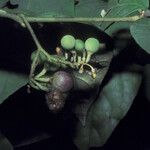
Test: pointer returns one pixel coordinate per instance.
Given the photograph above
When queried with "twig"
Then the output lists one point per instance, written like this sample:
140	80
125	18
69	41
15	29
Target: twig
85	20
39	47
51	58
31	32
14	17
73	19
57	59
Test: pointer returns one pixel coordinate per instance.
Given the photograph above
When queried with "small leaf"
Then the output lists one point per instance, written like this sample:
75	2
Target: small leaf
110	107
9	83
141	34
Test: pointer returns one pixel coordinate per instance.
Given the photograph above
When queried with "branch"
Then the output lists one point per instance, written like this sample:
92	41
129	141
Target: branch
26	22
85	20
39	47
51	58
16	17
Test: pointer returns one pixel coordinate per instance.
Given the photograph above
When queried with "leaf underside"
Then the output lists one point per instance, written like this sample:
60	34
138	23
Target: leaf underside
110	107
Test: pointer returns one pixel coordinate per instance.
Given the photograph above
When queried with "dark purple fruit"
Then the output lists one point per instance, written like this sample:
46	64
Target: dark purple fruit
62	81
55	100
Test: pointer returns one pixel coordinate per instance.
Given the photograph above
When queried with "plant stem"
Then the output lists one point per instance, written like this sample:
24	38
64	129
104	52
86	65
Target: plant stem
31	32
86	20
42	73
39	47
57	59
34	65
41	87
16	17
51	58
12	16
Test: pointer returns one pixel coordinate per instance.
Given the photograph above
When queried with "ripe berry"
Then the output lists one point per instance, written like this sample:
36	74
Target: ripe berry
62	81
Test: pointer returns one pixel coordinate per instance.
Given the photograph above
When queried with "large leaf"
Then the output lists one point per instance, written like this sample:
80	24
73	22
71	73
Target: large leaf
141	33
90	8
45	8
118	26
4	143
3	2
123	8
9	83
84	8
111	106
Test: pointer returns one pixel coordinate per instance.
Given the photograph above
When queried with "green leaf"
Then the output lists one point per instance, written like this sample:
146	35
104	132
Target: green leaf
110	107
3	3
123	8
45	8
9	83
115	27
90	8
141	34
4	143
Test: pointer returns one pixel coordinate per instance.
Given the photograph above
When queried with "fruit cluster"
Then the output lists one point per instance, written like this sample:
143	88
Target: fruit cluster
81	51
72	51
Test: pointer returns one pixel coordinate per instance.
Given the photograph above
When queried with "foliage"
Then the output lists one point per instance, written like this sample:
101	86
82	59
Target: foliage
141	33
103	110
123	8
10	82
44	8
111	106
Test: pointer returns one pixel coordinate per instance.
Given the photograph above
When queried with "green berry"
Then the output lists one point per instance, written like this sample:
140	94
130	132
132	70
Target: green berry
79	45
92	45
42	57
33	55
68	42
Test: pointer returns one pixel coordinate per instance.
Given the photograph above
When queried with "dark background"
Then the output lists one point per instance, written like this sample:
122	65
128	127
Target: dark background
23	115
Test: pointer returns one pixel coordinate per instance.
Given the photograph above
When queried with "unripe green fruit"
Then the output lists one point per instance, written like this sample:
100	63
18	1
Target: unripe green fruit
41	57
33	55
92	45
68	42
79	45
